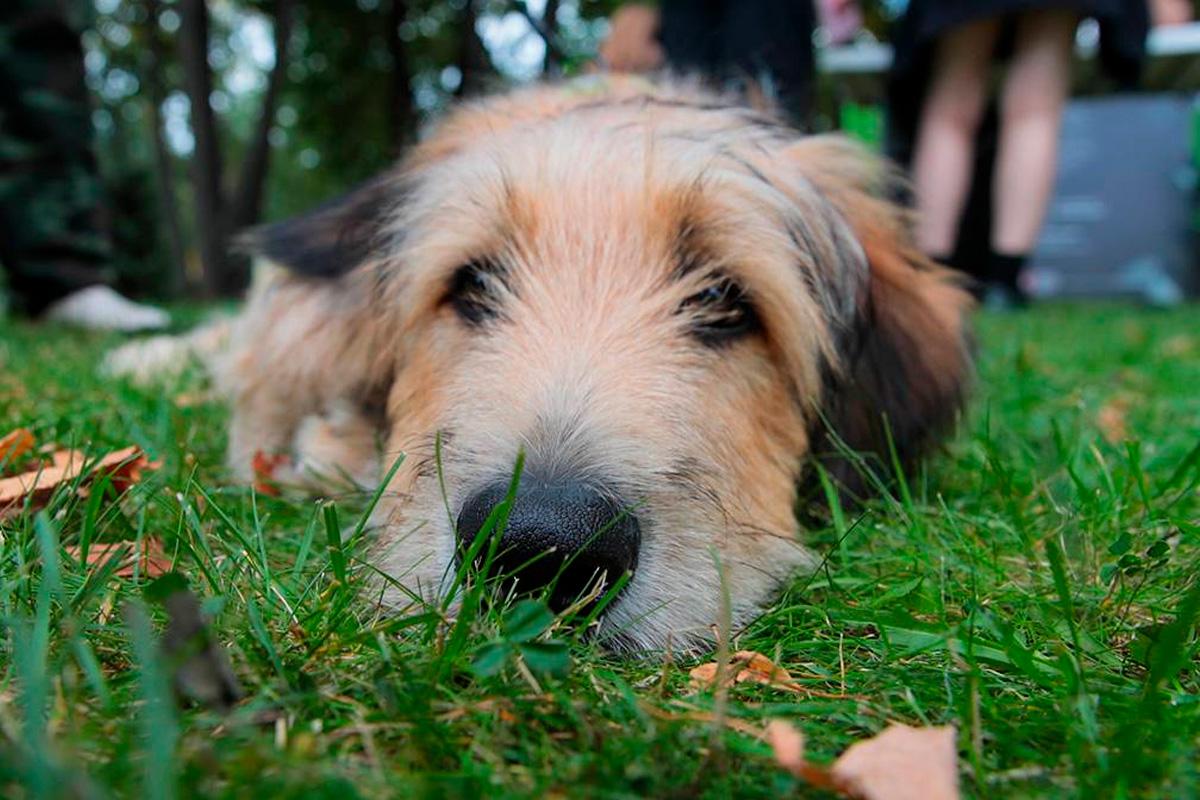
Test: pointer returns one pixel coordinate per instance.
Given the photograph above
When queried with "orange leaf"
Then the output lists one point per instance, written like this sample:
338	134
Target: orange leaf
37	486
747	666
1110	419
15	444
124	467
151	562
64	459
264	466
788	745
902	763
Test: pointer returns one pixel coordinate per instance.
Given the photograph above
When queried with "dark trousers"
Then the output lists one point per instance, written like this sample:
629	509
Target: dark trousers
768	42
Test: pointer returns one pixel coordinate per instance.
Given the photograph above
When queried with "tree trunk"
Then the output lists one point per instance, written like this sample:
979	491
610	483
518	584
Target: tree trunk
246	205
473	60
402	117
551	63
206	159
164	167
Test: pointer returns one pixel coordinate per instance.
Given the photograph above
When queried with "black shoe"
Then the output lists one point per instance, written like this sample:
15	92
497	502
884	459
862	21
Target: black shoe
1002	297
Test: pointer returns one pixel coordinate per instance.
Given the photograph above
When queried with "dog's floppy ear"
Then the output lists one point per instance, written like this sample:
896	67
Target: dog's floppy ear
906	359
333	238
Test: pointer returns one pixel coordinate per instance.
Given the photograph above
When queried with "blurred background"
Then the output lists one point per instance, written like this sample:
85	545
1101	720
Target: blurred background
208	117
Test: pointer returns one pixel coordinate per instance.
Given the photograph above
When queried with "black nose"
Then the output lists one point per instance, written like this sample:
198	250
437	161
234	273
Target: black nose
564	531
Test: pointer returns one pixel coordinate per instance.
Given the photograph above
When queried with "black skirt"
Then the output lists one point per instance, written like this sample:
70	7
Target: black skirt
1123	28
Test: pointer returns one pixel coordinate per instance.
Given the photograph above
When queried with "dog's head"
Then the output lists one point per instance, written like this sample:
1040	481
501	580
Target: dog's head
668	304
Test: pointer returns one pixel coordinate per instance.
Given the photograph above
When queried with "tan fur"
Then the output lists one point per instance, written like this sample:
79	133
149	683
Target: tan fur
587	193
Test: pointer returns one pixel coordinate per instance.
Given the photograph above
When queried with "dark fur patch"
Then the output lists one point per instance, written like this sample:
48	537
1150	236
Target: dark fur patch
895	394
333	238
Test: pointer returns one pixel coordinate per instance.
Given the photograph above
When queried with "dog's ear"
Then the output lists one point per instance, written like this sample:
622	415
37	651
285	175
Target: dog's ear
906	354
333	238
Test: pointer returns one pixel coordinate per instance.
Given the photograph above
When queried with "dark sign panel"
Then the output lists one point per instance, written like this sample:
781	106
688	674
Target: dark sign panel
1121	222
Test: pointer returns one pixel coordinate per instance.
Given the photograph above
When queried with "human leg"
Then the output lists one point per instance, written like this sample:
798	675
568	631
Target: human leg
1031	104
950	118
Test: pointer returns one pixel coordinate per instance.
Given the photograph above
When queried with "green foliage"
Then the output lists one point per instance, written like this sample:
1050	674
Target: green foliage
521	638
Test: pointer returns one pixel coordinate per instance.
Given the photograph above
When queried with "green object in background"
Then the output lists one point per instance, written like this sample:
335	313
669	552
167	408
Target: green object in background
1194	144
1194	151
863	122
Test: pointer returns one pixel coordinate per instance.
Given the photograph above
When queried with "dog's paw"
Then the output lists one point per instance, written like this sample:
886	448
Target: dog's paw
160	358
145	361
339	446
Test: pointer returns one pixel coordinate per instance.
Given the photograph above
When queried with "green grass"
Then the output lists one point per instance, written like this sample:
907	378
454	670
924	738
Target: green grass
1035	585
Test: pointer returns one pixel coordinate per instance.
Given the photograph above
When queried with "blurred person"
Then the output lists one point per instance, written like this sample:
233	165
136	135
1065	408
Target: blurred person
940	88
763	47
53	250
1165	13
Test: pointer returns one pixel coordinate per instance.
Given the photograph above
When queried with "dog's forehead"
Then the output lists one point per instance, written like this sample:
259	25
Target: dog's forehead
618	179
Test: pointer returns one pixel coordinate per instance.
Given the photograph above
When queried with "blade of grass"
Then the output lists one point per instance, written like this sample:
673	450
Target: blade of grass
158	722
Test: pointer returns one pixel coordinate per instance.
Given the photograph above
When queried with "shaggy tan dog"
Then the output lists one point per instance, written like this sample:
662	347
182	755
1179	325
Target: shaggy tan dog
671	304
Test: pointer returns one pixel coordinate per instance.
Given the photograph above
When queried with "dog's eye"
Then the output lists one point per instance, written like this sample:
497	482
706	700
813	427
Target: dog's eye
474	291
720	312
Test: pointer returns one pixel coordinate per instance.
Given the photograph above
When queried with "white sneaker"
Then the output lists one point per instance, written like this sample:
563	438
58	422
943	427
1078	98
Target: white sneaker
100	308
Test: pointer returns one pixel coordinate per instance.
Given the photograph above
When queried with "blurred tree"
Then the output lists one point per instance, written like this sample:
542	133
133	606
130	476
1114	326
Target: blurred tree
217	213
216	114
155	58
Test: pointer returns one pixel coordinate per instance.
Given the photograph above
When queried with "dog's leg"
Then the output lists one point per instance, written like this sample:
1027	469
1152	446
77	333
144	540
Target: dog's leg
145	361
339	446
298	373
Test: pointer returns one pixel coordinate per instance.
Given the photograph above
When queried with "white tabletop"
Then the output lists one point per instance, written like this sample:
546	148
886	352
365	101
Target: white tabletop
869	57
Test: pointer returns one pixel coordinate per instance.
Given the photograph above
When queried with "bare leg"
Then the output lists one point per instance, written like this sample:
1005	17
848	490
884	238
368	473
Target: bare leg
945	150
1035	90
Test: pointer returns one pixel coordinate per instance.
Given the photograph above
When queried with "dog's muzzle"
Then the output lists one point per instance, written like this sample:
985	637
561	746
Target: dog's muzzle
565	535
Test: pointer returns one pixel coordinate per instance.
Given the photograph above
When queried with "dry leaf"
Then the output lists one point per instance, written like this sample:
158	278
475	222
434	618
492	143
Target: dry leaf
265	466
15	444
747	666
126	467
150	563
1179	346
65	459
123	467
788	745
192	399
902	763
1111	420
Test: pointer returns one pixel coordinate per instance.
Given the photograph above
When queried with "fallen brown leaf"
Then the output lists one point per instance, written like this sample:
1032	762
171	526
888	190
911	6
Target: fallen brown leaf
35	487
902	763
1110	419
1179	346
151	562
265	465
64	459
788	745
747	666
15	444
191	399
126	467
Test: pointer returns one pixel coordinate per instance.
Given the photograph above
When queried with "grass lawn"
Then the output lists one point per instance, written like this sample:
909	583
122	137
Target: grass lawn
1024	587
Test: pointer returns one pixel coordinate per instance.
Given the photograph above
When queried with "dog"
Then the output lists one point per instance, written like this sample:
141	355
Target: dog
674	308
